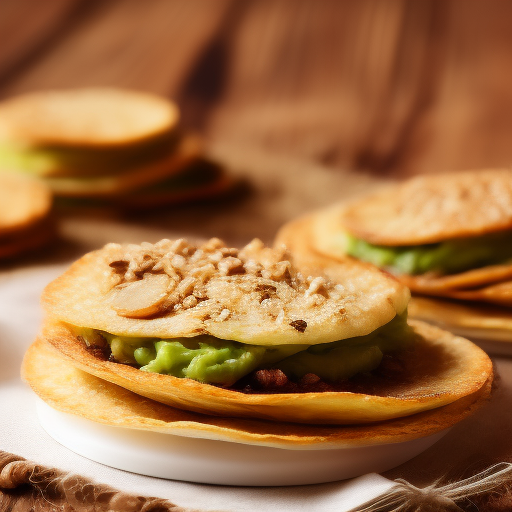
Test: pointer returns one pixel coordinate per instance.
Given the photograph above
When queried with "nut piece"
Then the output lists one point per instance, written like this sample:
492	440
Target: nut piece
141	299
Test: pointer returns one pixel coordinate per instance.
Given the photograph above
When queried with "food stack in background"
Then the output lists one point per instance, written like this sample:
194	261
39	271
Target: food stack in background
447	237
106	146
25	222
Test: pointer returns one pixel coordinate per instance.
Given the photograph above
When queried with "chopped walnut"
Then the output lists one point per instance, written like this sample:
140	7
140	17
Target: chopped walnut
190	274
299	325
224	315
230	266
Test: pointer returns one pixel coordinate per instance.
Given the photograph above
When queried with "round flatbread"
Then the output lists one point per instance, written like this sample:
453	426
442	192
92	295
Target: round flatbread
73	391
28	239
86	117
430	209
478	321
184	154
256	295
432	284
23	202
440	369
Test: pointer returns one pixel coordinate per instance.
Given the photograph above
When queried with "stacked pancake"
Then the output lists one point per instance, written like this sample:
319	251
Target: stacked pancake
107	146
25	205
253	345
447	237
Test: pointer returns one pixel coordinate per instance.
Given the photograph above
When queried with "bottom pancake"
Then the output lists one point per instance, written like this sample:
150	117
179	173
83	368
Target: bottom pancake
27	239
73	391
440	368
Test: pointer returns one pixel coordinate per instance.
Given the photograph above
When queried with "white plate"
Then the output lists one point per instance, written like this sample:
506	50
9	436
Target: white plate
220	462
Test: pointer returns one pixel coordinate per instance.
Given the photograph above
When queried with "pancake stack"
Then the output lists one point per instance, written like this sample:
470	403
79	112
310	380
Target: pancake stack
106	146
447	237
25	222
255	345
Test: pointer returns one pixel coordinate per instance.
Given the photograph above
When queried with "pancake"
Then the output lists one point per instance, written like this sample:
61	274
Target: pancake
201	180
73	391
88	117
357	298
440	369
27	239
435	208
429	210
480	321
121	290
186	152
23	202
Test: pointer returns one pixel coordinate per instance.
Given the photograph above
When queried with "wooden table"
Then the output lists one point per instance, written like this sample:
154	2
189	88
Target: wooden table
393	87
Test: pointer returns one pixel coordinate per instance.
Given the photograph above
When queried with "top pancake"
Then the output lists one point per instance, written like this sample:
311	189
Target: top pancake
86	117
430	209
23	201
256	295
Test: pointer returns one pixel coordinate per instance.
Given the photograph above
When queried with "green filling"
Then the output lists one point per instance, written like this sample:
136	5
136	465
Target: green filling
45	161
447	257
214	361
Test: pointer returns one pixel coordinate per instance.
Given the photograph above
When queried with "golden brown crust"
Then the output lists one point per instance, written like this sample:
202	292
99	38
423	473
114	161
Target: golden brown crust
73	391
430	283
441	369
360	299
430	209
98	117
24	201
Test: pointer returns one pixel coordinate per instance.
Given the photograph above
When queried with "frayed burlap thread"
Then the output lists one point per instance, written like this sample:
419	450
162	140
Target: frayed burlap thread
25	485
405	497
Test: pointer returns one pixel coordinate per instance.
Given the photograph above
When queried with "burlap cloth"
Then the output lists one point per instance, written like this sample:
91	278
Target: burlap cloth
47	480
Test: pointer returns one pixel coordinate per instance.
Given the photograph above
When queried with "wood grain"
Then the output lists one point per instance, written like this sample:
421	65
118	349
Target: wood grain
392	87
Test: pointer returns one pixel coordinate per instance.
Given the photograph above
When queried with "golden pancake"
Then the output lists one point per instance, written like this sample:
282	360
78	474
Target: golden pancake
28	239
186	152
440	369
72	391
24	201
98	117
498	293
334	301
474	320
433	284
211	181
430	209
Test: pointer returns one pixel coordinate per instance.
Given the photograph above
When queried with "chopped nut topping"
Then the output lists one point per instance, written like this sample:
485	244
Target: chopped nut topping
175	275
120	266
230	266
224	314
143	298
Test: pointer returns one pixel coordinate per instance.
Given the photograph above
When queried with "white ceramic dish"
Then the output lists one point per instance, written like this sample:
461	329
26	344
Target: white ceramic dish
220	462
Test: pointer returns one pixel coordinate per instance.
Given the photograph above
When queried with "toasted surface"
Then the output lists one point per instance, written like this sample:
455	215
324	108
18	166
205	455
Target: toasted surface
181	156
473	320
440	369
429	209
254	295
76	392
496	293
432	284
23	202
86	117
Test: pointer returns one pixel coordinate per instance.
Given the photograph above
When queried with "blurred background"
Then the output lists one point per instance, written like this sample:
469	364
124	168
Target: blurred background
308	101
391	87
